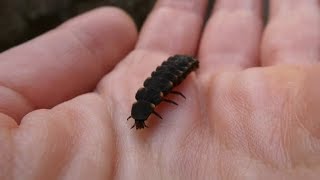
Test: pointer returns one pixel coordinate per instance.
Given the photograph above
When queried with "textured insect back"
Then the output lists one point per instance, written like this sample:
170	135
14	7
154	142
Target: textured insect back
149	95
161	82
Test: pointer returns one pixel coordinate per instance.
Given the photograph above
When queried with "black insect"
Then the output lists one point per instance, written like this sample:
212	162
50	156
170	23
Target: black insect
168	75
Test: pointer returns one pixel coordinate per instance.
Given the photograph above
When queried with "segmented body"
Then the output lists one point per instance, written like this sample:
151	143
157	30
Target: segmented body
167	76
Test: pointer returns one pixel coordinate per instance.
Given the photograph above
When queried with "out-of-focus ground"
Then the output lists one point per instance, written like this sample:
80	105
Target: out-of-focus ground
22	20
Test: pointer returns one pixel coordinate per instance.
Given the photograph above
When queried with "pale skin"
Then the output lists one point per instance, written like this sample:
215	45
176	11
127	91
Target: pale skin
252	109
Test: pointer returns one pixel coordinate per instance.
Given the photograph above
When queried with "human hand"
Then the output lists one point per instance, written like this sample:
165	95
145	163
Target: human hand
238	122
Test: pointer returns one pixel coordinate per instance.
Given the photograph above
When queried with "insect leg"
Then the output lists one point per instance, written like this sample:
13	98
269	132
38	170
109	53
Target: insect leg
169	101
145	125
133	125
129	118
157	114
178	93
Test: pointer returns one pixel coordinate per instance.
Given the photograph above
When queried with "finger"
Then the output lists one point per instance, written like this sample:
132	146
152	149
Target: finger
232	36
65	62
75	139
173	27
293	34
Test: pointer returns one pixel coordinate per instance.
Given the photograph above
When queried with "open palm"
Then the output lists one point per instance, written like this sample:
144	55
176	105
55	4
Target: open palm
251	109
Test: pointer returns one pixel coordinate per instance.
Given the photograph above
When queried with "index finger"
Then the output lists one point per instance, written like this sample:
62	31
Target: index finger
65	62
173	27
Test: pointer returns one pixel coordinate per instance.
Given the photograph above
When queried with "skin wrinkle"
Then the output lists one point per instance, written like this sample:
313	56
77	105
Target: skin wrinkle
189	6
180	43
222	101
75	142
265	118
283	100
203	92
285	7
99	62
21	141
72	115
116	150
242	126
238	106
269	119
119	157
231	51
287	122
87	35
190	151
28	105
209	91
304	129
117	141
179	31
7	157
233	5
298	45
232	93
204	85
7	122
224	166
311	125
85	136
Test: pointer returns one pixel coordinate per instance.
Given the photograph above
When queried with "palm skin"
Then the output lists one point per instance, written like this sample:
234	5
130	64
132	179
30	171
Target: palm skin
239	121
233	124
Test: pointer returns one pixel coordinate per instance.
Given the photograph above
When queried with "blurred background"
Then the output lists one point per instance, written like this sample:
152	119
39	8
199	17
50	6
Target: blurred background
22	20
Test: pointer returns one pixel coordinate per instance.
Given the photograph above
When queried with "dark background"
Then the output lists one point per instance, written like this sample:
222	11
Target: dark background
22	20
